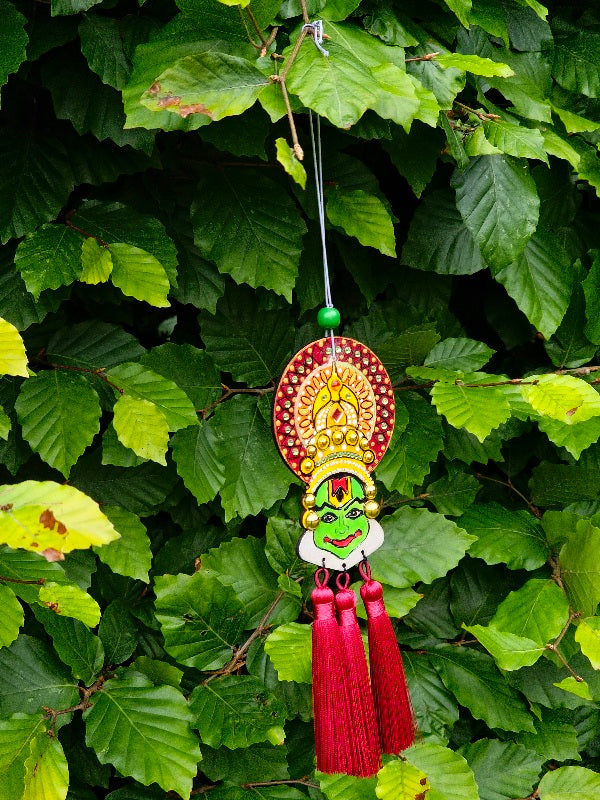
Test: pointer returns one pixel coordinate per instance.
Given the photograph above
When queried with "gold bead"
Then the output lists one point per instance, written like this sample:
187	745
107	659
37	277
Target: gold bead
352	438
323	442
310	520
364	443
307	465
371	509
311	451
337	437
368	456
371	491
309	500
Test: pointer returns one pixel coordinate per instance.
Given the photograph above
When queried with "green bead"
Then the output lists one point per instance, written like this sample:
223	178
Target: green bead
328	318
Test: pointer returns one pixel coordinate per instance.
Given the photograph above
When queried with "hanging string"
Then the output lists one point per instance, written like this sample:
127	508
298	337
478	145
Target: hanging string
318	167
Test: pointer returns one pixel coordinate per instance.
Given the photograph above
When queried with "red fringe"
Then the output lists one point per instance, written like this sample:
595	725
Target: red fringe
364	754
388	680
332	712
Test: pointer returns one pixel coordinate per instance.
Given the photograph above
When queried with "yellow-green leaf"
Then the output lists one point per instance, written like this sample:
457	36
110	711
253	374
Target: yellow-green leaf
563	397
287	159
399	780
139	274
46	770
588	636
47	518
13	360
475	64
96	262
142	426
68	600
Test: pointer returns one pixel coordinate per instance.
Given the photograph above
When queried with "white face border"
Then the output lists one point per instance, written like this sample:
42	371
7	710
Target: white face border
308	550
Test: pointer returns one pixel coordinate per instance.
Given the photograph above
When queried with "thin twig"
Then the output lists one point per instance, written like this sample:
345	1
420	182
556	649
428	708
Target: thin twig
510	485
305	16
269	42
564	662
229	392
426	57
98	372
39	582
572	615
481	114
87	235
299	152
238	657
292	57
298	781
256	26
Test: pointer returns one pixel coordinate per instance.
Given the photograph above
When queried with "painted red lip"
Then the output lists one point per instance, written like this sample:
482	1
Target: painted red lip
342	542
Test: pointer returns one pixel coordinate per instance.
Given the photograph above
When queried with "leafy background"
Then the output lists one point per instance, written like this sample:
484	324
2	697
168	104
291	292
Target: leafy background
159	264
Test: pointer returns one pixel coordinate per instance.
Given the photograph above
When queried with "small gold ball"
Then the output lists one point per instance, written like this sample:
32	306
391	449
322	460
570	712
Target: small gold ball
311	451
309	500
352	438
371	509
368	456
371	491
364	443
337	437
310	520
307	465
323	442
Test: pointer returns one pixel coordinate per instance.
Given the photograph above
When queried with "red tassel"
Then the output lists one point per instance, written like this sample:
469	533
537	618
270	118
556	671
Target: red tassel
331	704
364	754
388	680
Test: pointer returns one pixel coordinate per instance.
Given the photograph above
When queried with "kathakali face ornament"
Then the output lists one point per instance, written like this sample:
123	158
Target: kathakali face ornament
333	421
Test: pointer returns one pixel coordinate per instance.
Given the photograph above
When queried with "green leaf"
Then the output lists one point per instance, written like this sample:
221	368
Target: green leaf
407	348
453	493
93	344
116	223
35	514
13	360
288	160
5	425
346	787
502	769
511	537
444	82
579	562
117	633
31	676
102	45
250	228
70	601
415	155
49	258
16	736
201	619
448	774
191	369
459	354
143	384
46	770
142	426
409	553
591	287
498	202
399	780
46	407
576	64
259	762
131	554
35	181
515	140
363	216
245	442
475	64
235	711
587	634
74	643
144	731
12	616
96	262
411	451
251	344
435	707
573	686
477	684
196	454
538	611
509	650
139	274
554	738
540	282
211	83
13	40
71	6
438	239
480	411
462	9
290	649
242	564
569	783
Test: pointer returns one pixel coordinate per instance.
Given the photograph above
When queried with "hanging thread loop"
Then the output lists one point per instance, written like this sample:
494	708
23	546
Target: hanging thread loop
316	29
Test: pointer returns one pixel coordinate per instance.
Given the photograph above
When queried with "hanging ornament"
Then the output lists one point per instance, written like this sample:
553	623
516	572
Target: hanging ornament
333	421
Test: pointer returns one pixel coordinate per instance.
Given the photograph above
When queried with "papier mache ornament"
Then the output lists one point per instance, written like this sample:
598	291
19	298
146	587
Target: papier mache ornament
333	421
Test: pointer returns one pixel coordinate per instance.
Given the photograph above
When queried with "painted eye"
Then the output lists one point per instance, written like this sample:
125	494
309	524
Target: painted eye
354	514
328	518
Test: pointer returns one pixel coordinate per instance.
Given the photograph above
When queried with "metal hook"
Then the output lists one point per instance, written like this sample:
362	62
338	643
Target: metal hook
316	28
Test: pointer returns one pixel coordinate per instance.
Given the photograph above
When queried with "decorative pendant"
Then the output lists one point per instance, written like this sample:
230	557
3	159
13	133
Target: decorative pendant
333	420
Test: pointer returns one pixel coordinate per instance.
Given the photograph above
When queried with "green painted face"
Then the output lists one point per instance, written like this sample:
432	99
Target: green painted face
343	525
